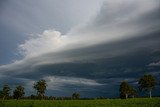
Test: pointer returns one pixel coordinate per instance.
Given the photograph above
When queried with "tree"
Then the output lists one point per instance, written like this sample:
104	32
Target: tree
5	91
40	86
18	92
125	89
75	95
133	92
147	84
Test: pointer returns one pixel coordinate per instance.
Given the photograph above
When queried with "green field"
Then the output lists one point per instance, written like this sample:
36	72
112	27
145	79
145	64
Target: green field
136	102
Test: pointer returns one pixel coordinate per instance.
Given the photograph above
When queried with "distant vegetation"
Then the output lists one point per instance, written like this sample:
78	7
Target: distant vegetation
146	83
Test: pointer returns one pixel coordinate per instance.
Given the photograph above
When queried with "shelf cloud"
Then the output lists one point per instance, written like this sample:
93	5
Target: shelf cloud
119	31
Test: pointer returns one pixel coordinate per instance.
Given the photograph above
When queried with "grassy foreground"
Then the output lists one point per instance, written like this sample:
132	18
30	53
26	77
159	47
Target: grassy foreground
137	102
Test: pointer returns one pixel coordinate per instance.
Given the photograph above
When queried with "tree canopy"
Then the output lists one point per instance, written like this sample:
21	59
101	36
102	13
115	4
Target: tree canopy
40	86
18	92
126	90
75	95
5	91
147	84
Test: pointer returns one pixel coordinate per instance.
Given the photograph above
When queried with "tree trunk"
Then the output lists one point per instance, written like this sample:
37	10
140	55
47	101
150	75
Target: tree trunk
126	96
41	96
4	97
150	94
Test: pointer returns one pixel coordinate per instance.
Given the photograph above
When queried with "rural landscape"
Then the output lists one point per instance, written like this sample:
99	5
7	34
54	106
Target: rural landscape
147	83
79	53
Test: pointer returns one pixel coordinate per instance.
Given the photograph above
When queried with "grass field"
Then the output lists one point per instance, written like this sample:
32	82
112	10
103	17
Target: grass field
137	102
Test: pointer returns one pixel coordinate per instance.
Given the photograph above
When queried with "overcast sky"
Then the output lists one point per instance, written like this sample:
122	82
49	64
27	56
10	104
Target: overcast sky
89	46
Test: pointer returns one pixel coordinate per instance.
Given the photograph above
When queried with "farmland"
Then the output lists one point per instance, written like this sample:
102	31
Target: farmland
134	102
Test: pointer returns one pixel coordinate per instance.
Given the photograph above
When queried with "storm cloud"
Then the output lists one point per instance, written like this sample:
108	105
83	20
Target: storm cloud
121	42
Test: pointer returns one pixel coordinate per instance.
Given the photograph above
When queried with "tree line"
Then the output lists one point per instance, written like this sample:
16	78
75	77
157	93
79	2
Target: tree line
40	86
146	83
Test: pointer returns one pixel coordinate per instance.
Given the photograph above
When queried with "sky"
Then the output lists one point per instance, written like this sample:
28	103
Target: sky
85	46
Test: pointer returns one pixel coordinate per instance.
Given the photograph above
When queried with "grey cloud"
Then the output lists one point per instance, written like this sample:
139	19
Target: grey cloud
121	19
35	16
154	64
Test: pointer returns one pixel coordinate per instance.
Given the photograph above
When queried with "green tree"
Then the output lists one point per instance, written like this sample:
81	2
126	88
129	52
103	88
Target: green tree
125	89
18	92
40	86
147	84
5	91
75	95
